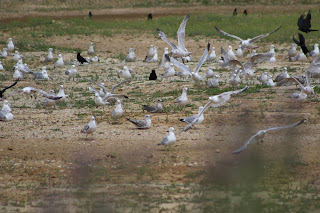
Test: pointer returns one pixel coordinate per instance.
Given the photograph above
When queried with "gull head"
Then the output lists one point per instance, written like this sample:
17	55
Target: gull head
315	45
6	102
147	117
230	48
171	129
50	49
10	39
118	102
97	95
159	100
60	55
61	86
73	66
185	89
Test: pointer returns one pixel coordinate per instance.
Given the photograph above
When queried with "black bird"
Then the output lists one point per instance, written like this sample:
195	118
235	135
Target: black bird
304	24
302	44
90	14
153	76
150	16
235	12
245	12
2	91
81	59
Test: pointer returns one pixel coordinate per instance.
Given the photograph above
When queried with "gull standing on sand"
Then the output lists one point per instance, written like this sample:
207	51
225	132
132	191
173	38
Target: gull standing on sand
61	94
284	74
90	127
1	66
199	117
164	61
248	43
6	106
231	54
49	102
214	101
210	73
169	139
59	62
118	111
17	56
258	137
180	50
155	108
10	45
150	54
49	58
183	98
91	50
17	74
6	115
42	75
169	73
131	57
292	52
142	124
4	53
239	52
213	82
125	73
301	56
212	56
273	58
71	73
315	51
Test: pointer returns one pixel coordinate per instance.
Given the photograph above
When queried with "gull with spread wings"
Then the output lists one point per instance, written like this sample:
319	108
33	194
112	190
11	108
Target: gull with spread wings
248	43
214	101
2	91
180	50
258	137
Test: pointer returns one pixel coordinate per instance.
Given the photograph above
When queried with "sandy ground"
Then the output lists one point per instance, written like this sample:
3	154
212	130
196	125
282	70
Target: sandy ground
44	157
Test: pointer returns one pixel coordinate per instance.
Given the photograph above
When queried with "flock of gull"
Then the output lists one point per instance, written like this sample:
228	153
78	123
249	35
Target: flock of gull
177	58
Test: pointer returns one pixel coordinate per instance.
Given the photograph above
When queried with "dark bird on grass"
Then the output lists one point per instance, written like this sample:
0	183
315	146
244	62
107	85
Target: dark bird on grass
2	91
302	44
90	14
153	76
81	59
235	12
304	24
150	16
245	12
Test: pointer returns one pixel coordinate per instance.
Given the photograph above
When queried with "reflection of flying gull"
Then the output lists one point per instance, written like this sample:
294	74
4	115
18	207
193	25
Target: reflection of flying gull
249	42
215	101
180	50
258	137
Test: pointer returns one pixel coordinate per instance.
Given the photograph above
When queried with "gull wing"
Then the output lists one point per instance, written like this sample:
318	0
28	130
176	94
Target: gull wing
203	58
47	95
289	80
178	64
227	34
244	146
115	86
262	36
138	123
197	117
224	97
258	58
288	126
93	90
164	38
182	32
99	85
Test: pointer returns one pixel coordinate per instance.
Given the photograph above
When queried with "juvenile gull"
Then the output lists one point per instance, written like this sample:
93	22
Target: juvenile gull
169	139
142	124
248	43
180	50
213	82
154	108
214	101
90	127
258	137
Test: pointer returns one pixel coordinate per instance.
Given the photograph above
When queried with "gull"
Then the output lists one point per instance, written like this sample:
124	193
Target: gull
215	101
183	74
81	59
6	106
273	58
239	52
263	78
249	71
61	94
195	76
270	81
169	139
210	73
284	74
6	115
315	51
142	124
227	62
183	98
304	24
258	137
49	102
155	57
301	43
292	52
17	74
17	56
150	54
125	73
32	90
154	108
301	56
213	82
118	111
95	59
49	58
169	72
180	50
234	79
308	89
10	45
91	50
23	67
71	73
299	97
314	68
248	43
153	75
199	120
1	66
212	56
131	57
59	62
107	96
164	62
100	101
43	75
90	127
231	54
4	53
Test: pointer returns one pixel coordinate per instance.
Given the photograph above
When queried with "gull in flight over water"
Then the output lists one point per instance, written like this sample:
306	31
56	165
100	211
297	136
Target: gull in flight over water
248	43
215	101
180	50
258	137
